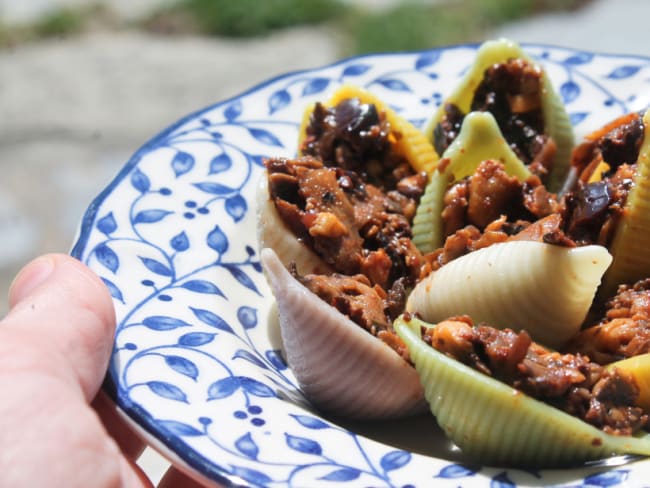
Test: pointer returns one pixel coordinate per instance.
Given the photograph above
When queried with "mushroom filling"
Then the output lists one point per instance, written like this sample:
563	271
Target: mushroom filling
353	226
602	397
592	210
512	92
355	136
371	307
607	168
490	206
351	200
362	232
625	329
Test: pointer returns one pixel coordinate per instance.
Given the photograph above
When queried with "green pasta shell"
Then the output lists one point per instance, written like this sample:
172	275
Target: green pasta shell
631	240
495	424
479	139
556	120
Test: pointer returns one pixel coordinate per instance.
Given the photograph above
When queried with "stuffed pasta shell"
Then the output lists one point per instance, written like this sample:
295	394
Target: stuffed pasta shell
342	368
610	203
506	82
339	217
544	288
538	408
479	179
340	132
353	150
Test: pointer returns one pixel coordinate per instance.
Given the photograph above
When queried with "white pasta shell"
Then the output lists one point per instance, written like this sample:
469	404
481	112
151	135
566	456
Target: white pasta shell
273	233
340	367
543	288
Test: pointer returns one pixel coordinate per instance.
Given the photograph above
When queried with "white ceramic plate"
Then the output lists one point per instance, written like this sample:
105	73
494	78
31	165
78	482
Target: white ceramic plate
196	364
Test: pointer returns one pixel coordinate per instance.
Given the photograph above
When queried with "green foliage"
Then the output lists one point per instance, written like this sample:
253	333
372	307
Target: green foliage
408	26
60	22
5	35
247	18
414	25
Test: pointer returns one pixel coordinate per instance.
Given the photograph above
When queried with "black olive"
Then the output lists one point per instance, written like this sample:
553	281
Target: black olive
353	116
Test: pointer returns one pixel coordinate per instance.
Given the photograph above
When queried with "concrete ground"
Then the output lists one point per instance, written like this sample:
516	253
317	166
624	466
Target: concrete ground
72	111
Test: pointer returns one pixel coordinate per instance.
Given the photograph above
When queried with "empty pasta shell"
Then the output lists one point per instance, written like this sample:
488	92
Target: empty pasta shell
408	141
543	288
495	424
556	120
341	368
479	139
631	239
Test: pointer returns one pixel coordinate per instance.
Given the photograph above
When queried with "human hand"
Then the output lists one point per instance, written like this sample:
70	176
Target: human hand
55	344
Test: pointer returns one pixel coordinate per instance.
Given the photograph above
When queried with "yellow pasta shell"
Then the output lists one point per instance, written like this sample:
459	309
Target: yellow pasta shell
543	288
479	139
556	120
495	424
632	236
639	367
411	143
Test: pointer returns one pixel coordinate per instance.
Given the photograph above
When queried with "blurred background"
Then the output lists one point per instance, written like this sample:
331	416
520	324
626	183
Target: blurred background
84	83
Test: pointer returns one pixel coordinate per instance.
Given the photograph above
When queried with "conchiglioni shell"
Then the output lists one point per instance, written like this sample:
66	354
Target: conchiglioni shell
495	424
427	228
556	120
341	368
274	234
639	368
412	144
587	165
543	288
631	240
479	139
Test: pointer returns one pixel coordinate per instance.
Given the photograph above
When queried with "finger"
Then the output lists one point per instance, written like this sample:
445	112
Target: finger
63	314
130	444
175	478
54	347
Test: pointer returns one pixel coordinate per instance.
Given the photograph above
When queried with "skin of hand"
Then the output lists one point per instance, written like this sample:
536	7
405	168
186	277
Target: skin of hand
55	344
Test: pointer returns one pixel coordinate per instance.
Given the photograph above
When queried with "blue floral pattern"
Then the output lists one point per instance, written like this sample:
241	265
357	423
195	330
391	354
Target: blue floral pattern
173	237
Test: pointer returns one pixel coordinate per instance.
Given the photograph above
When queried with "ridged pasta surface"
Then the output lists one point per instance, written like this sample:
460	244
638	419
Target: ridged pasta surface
632	238
341	368
479	139
411	143
556	120
543	288
274	234
495	424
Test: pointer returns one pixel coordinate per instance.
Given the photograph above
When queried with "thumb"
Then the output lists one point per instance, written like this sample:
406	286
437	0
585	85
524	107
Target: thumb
63	312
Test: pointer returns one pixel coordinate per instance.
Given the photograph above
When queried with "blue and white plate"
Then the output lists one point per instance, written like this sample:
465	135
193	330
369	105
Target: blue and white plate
196	364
